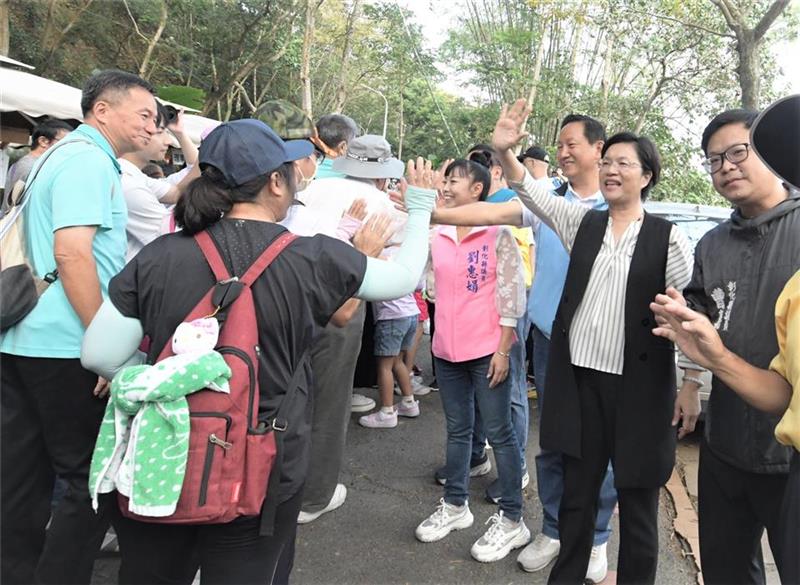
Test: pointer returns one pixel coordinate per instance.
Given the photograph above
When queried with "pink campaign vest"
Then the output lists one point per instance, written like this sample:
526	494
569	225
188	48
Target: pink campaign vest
467	323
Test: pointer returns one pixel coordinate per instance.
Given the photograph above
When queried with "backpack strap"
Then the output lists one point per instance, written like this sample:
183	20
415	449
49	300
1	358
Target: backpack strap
273	250
213	257
561	191
280	424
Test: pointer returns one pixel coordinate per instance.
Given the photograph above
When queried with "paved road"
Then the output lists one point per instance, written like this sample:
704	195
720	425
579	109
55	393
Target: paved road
389	477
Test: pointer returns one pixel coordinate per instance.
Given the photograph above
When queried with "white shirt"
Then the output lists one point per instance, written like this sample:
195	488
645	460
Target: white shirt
147	216
328	199
597	332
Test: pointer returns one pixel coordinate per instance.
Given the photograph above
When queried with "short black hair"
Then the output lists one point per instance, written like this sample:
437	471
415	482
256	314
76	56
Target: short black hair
162	115
593	130
647	153
153	170
336	128
736	116
110	80
477	173
49	129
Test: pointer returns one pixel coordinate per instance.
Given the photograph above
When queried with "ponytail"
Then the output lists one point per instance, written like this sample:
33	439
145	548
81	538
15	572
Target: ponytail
209	196
204	202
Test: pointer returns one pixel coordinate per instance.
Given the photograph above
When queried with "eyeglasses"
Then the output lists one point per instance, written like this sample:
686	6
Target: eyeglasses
736	154
319	156
623	165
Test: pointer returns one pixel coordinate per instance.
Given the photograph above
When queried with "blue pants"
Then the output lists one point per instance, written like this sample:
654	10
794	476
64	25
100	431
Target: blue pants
519	396
550	464
462	385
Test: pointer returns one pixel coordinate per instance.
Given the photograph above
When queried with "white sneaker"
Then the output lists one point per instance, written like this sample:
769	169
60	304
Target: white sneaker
526	479
339	495
598	564
501	538
419	388
361	403
379	420
538	554
408	410
443	521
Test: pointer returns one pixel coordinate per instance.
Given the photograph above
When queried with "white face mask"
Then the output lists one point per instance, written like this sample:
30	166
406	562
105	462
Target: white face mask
305	181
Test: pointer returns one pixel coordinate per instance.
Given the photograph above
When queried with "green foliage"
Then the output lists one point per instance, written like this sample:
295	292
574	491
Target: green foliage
662	67
191	97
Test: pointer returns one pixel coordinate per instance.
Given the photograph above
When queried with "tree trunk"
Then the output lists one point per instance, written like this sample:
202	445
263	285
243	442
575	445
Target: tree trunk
4	32
537	66
749	69
401	129
305	65
162	23
608	69
748	43
347	51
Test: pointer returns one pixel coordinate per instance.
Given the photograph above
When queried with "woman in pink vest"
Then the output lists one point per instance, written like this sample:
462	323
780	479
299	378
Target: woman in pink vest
480	294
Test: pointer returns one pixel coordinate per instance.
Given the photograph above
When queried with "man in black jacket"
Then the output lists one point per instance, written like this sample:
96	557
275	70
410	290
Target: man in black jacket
740	269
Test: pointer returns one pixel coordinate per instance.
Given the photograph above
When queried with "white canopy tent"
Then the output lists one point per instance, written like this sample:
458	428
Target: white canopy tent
24	96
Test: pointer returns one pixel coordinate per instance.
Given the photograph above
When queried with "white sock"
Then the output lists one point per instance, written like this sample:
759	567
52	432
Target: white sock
408	399
387	409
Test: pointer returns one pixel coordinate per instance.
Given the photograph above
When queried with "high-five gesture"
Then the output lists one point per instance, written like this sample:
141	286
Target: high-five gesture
509	130
420	173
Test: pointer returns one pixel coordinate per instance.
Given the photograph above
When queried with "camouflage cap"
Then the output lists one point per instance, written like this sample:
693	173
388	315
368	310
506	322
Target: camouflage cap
287	120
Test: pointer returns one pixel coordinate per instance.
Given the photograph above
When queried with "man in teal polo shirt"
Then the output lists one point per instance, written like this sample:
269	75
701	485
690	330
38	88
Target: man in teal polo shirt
51	406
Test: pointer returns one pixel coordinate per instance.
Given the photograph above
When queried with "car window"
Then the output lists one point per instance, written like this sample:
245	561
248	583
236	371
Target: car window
693	226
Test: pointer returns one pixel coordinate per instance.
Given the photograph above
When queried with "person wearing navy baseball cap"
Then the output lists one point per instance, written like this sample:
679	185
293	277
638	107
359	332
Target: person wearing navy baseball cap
246	185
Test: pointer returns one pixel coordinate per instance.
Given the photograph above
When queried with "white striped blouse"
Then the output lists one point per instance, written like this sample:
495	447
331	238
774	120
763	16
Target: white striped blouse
597	333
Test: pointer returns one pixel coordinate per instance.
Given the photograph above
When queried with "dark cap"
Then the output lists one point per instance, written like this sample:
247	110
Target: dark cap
535	152
245	149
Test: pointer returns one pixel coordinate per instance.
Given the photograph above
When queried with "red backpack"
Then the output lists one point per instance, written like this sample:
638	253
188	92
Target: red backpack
231	452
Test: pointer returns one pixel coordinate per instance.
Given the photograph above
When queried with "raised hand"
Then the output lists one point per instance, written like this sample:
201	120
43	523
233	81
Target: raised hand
420	173
509	130
690	330
177	124
358	209
371	238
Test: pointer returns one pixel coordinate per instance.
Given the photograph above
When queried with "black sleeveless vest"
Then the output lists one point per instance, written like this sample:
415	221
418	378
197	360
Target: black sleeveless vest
644	443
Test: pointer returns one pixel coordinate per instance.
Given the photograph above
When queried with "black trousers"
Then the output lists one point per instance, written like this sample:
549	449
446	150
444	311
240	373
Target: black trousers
638	507
50	421
789	527
735	507
233	553
366	374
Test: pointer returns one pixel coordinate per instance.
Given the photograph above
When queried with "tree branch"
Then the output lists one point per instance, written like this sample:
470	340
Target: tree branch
682	22
769	17
727	12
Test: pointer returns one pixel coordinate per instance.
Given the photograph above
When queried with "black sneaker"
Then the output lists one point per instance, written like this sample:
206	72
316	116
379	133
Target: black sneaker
477	468
493	491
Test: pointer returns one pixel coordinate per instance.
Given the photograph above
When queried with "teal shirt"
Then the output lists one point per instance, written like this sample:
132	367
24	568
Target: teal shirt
78	186
325	170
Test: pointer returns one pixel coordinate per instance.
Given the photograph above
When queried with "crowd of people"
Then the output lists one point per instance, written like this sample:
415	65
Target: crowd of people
187	377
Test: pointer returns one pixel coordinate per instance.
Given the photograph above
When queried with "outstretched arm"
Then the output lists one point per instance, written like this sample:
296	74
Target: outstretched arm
698	339
390	280
111	342
563	217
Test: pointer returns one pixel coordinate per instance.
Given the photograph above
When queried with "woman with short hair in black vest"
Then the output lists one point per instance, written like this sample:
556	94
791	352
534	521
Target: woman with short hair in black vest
615	381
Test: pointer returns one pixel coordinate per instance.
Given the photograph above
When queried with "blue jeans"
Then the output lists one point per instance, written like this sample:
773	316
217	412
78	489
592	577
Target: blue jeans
461	386
550	465
519	397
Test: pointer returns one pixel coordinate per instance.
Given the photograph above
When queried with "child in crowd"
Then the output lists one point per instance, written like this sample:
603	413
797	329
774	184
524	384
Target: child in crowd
395	330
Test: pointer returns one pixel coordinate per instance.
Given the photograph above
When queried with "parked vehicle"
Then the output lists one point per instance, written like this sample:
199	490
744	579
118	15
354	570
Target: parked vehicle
695	221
